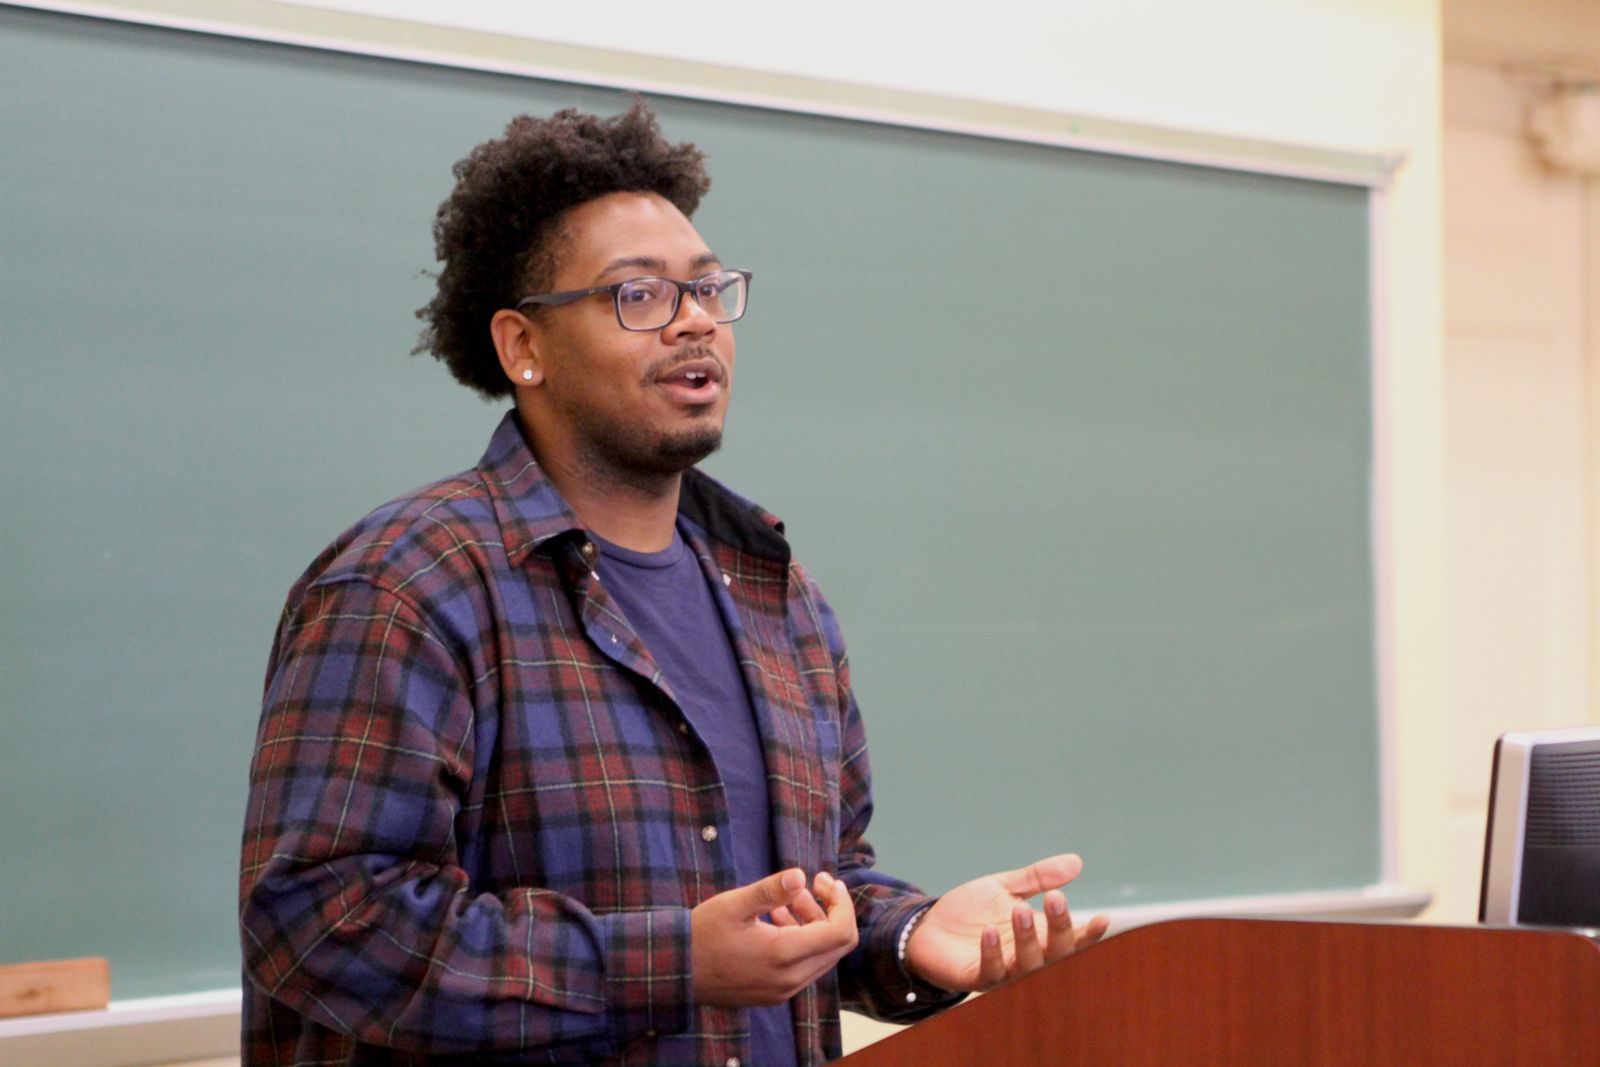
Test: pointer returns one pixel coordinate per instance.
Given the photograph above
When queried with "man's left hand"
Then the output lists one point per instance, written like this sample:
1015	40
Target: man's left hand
983	933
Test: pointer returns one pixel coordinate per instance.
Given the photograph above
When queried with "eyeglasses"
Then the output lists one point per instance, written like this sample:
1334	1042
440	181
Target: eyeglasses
645	304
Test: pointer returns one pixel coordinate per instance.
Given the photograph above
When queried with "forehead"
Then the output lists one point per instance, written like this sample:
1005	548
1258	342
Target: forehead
628	232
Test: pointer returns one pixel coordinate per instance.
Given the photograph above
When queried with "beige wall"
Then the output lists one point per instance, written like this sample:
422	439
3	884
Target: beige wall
1522	406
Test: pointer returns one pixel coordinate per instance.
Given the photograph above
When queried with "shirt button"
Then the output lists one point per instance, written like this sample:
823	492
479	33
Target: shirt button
588	552
911	998
708	833
733	1061
683	728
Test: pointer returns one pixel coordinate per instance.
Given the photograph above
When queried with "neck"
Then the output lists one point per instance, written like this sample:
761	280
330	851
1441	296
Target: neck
637	510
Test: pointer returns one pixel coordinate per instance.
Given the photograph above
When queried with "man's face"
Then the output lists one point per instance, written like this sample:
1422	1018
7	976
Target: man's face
621	403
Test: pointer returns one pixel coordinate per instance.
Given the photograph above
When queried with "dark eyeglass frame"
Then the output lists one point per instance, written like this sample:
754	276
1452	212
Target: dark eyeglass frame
615	290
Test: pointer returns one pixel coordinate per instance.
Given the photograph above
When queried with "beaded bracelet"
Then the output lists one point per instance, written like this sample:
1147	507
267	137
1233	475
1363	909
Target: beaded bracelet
905	939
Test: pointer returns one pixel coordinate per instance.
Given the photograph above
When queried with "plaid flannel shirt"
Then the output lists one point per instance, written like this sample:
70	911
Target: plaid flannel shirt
478	820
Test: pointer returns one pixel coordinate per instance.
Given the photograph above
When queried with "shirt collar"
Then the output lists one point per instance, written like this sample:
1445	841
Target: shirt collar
533	515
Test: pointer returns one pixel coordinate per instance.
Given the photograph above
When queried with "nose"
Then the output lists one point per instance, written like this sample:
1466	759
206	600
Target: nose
691	322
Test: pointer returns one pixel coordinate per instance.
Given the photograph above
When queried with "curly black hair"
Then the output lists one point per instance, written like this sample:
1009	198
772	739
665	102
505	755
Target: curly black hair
500	230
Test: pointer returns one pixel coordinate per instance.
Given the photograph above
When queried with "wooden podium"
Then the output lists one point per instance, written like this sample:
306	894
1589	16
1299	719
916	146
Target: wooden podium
1239	992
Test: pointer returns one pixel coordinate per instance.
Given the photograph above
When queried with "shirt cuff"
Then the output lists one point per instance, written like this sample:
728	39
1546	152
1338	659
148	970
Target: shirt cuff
901	997
648	985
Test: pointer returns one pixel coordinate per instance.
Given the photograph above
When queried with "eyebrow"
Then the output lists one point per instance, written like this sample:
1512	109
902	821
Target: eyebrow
659	266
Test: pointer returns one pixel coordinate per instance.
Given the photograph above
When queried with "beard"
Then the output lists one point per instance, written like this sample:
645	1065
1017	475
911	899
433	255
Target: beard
622	453
638	456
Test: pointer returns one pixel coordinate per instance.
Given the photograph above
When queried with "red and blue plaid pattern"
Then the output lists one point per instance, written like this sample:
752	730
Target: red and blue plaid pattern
478	820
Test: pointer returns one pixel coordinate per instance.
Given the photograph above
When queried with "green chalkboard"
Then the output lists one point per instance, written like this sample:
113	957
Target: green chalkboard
1078	445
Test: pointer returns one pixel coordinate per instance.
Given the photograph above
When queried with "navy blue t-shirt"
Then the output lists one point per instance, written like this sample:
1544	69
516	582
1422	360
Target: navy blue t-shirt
665	598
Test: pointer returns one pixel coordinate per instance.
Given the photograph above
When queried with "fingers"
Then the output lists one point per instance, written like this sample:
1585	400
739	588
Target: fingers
1030	953
804	908
1061	939
771	893
737	960
1092	931
991	959
831	935
841	909
1034	945
836	932
1055	940
1052	872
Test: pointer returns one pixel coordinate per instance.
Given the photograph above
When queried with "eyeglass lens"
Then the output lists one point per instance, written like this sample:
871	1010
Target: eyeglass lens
651	303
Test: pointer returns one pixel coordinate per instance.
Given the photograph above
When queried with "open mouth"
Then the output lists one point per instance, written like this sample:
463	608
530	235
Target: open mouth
692	379
694	383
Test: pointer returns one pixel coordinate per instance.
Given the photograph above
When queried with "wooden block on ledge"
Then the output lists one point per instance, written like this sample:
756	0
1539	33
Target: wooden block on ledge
54	985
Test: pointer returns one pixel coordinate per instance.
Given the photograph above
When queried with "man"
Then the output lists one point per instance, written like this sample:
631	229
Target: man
558	761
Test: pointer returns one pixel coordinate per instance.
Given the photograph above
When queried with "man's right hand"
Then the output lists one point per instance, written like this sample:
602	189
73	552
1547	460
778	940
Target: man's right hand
737	960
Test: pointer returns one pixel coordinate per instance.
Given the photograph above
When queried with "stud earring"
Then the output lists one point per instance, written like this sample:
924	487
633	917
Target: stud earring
527	375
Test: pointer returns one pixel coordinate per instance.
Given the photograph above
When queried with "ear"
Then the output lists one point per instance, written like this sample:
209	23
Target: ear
518	343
